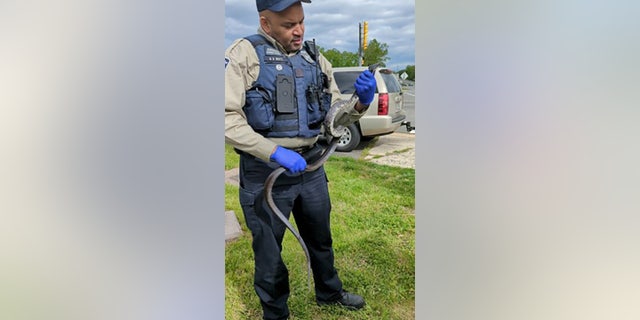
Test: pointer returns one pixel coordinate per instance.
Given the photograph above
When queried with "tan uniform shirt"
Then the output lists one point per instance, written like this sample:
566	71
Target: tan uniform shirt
241	71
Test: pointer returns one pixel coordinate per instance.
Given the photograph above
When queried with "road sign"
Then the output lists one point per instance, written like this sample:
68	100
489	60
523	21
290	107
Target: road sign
404	76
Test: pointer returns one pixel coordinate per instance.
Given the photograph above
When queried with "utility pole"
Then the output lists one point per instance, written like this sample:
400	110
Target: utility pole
360	53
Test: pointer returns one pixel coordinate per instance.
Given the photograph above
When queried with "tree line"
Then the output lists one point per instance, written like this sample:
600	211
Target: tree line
376	52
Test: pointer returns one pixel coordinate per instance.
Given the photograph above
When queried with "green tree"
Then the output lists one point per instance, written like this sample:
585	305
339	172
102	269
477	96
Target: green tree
376	53
340	59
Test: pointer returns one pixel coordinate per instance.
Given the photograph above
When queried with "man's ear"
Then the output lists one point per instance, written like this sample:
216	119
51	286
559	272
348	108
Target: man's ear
264	23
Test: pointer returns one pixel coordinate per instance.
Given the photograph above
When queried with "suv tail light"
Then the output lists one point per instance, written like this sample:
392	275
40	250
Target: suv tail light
383	104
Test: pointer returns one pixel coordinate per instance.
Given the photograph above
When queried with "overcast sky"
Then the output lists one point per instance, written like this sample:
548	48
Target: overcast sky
334	24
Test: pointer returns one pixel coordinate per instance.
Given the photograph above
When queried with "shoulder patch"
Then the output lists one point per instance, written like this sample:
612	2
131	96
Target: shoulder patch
226	62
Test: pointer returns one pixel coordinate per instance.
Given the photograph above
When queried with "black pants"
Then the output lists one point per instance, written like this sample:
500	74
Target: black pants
307	197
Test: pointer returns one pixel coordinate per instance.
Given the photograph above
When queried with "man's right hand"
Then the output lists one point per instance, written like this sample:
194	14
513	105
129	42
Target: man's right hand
289	159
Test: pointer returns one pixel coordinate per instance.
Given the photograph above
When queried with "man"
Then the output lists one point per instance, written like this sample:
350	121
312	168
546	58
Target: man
278	91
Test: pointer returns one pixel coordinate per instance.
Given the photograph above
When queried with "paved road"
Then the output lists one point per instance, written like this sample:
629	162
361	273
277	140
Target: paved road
409	106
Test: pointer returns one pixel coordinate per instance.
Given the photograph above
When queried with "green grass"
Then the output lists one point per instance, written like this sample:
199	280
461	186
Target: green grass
373	225
231	158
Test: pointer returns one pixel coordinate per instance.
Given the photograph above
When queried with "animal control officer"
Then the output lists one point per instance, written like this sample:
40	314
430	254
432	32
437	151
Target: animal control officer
278	91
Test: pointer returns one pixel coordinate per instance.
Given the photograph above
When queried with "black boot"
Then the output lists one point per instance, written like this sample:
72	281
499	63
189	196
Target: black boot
347	300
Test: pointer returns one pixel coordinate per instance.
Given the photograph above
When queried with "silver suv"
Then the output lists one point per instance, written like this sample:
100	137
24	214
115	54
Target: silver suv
385	113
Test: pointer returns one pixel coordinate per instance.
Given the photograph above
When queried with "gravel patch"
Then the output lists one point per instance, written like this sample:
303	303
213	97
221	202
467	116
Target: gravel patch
406	159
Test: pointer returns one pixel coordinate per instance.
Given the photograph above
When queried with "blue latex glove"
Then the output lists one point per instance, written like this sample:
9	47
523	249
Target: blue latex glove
365	87
289	159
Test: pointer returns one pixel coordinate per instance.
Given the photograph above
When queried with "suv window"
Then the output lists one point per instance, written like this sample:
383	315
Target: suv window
391	82
345	80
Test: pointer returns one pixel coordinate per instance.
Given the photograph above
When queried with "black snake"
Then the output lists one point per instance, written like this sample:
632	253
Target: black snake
268	186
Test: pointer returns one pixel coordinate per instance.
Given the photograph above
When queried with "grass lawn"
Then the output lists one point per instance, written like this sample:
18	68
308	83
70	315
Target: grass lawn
373	228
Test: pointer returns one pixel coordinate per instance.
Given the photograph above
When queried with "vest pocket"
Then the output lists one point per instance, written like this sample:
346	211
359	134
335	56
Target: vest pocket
315	115
317	111
259	109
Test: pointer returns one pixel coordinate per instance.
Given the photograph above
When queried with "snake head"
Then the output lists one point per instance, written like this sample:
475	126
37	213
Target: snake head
373	67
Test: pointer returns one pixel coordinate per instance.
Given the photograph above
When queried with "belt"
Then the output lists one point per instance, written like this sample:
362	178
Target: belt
300	150
311	153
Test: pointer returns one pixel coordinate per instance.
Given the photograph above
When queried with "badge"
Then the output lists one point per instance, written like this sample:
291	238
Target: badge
279	67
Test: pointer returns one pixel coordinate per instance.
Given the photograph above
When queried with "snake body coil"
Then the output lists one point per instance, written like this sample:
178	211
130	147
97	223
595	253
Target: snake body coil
268	186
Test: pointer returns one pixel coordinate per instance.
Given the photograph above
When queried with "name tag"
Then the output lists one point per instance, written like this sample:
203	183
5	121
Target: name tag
273	56
273	59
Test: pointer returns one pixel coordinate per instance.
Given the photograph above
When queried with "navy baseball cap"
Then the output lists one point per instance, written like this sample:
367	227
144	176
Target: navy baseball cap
276	5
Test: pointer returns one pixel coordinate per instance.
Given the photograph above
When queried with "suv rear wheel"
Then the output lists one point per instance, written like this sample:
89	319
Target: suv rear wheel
350	139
